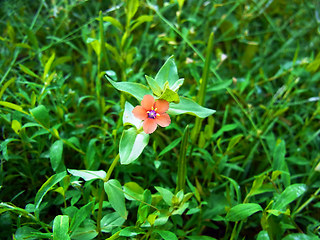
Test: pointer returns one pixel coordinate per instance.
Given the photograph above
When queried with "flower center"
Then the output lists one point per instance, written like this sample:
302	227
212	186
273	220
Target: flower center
152	114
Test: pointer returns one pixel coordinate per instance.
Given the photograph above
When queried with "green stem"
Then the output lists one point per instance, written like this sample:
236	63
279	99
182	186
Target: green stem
203	87
110	170
306	202
182	162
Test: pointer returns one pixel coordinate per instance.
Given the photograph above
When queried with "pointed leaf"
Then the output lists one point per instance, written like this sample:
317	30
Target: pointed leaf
88	175
116	197
165	194
16	126
131	9
113	21
53	180
168	72
140	20
170	96
167	235
156	89
56	151
80	216
134	190
61	227
189	106
48	66
290	194
111	221
129	118
28	71
13	106
132	145
299	236
41	114
137	90
242	211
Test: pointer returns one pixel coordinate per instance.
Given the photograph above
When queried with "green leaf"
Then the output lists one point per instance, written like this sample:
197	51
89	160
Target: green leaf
175	87
48	66
113	21
166	235
16	126
131	9
170	96
137	90
156	89
85	233
165	194
132	145
28	71
234	140
90	154
41	114
116	197
131	232
189	106
278	156
13	106
299	236
95	44
167	73
290	194
129	118
56	151
263	235
242	211
47	186
110	221
181	2
6	85
88	175
220	86
225	128
172	145
133	190
4	147
61	227
140	20
80	216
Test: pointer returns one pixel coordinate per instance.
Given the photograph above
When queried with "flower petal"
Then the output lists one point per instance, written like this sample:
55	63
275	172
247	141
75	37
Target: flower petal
140	113
147	102
163	120
161	105
149	125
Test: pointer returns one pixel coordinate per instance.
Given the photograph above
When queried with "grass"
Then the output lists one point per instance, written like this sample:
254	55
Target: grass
58	112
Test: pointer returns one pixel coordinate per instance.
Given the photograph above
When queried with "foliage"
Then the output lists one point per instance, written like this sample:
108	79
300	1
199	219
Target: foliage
75	163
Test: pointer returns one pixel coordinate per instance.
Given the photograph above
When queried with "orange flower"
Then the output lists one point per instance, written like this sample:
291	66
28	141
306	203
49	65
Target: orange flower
152	113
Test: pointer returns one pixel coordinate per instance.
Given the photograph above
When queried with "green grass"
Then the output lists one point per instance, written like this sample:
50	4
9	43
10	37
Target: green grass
261	147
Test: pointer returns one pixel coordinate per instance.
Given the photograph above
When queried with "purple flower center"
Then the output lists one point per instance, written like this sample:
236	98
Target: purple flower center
152	114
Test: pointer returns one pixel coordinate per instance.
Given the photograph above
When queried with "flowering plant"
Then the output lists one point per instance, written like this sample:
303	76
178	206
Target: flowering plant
151	113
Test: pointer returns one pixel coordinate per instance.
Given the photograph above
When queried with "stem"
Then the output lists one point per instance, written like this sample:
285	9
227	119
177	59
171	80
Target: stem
182	162
234	231
203	87
110	170
306	202
114	163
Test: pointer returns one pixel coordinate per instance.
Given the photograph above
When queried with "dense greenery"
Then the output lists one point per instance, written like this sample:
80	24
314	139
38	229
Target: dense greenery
252	168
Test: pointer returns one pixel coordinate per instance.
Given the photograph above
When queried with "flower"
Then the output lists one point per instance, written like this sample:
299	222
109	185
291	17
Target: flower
153	113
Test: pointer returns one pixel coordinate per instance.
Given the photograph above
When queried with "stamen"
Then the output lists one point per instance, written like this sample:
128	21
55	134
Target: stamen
152	114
